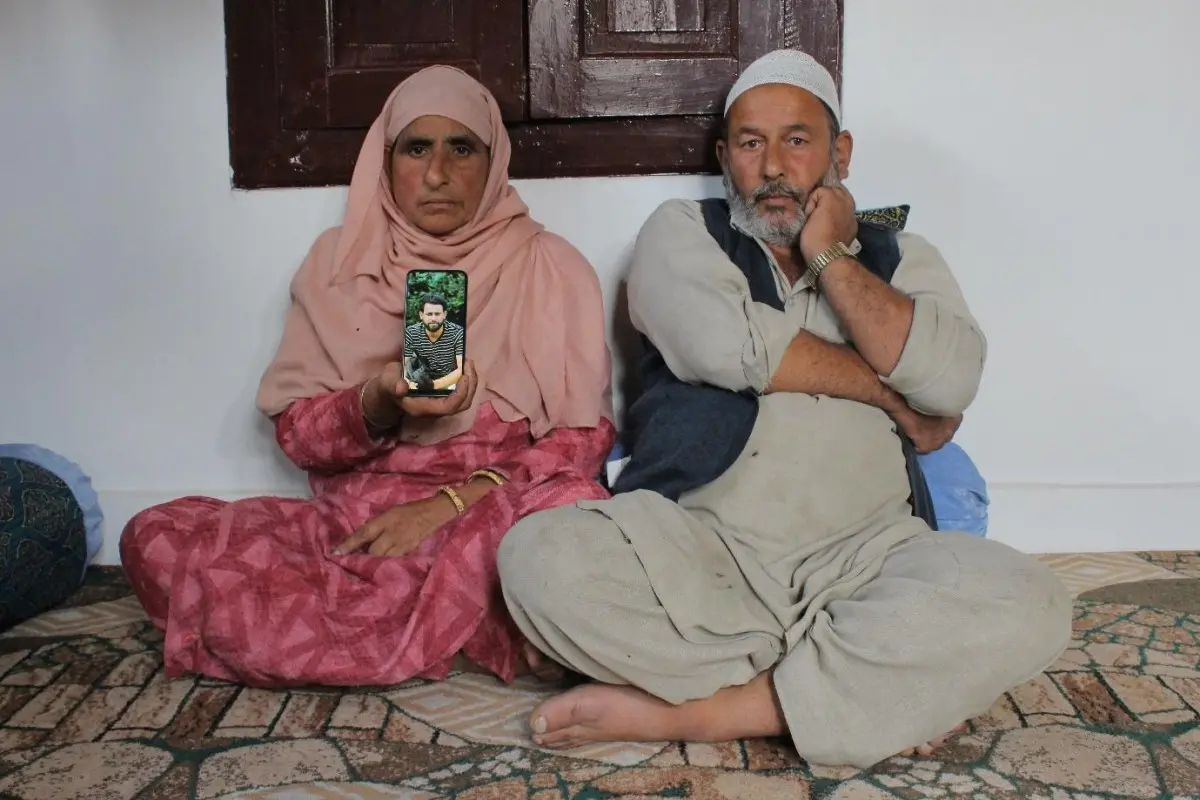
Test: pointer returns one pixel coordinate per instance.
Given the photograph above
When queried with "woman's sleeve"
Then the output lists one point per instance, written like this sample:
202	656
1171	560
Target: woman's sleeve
318	424
577	453
327	433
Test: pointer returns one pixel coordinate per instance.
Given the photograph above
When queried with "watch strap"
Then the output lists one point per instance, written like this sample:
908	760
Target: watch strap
823	259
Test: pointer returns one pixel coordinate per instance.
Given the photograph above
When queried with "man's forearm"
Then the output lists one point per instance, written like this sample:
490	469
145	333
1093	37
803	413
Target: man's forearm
447	381
814	366
876	316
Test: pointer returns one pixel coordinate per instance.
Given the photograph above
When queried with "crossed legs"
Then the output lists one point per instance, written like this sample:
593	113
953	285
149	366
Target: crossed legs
949	624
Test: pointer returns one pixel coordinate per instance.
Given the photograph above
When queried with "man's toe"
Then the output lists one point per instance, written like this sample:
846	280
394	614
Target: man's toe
565	739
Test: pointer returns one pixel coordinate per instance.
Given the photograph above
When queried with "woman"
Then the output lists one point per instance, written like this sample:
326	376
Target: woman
389	571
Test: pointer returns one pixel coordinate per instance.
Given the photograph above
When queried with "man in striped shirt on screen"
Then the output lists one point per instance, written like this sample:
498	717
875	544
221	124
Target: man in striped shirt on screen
433	348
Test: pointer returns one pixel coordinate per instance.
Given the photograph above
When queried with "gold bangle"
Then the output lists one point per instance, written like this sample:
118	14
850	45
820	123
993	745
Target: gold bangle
454	498
494	477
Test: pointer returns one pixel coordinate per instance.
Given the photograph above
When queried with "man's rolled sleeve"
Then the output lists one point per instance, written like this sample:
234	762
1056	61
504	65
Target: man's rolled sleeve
942	362
694	305
770	333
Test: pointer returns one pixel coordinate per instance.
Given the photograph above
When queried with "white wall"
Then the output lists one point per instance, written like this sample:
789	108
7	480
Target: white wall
1047	147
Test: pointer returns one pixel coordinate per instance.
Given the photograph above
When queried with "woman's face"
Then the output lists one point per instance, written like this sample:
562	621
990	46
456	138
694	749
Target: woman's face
439	169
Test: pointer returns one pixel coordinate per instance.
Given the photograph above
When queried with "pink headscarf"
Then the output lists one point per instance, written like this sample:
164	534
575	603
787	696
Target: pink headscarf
535	324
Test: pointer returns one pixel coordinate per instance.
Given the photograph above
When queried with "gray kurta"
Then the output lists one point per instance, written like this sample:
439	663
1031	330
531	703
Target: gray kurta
804	555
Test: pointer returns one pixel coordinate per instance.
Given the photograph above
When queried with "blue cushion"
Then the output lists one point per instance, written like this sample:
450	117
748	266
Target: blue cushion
959	492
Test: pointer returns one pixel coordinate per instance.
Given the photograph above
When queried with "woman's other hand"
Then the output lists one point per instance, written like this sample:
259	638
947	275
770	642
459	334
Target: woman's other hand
401	529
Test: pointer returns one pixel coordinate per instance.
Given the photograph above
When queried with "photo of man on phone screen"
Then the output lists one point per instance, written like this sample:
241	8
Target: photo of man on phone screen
433	348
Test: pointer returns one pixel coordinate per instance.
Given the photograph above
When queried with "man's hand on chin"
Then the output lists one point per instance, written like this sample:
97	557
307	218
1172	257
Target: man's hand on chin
831	219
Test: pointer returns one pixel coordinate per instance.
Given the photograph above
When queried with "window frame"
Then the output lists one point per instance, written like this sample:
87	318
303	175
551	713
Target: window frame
264	154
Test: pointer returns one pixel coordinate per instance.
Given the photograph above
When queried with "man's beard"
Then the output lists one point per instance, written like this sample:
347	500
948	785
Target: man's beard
433	327
777	230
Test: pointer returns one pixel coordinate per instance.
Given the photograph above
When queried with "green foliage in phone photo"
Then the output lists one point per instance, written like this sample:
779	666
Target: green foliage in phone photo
450	285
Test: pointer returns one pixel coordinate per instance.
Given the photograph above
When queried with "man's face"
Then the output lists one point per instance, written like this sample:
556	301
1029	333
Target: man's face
779	148
433	317
439	169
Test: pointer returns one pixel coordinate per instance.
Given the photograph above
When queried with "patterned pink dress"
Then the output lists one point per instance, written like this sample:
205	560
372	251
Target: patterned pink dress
248	591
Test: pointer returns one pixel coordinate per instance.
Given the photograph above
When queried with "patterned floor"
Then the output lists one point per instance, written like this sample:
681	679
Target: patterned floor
85	712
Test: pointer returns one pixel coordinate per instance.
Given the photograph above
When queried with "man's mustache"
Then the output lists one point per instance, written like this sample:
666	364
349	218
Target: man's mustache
778	189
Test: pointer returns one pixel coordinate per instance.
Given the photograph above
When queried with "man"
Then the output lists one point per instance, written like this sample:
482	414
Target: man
433	348
760	568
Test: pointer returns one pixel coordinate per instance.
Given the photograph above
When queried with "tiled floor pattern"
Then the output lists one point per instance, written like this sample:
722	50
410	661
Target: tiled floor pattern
1084	571
87	712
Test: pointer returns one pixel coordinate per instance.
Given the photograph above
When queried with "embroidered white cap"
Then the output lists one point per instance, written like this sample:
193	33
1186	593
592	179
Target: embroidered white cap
791	67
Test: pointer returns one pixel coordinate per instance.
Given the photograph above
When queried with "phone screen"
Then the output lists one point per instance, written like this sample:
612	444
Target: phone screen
435	330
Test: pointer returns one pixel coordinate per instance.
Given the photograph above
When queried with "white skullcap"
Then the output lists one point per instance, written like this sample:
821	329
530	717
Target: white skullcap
793	68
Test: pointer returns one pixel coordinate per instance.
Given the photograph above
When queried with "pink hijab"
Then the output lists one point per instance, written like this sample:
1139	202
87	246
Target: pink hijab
535	324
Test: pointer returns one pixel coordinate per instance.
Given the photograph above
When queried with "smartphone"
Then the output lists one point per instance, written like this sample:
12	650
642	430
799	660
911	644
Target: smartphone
435	330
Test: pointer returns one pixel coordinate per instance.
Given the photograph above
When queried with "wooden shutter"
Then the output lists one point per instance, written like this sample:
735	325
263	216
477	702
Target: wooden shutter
610	87
339	60
305	73
634	58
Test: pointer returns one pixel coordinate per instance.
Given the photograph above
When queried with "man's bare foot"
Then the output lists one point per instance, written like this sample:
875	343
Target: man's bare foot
544	669
599	712
603	713
928	748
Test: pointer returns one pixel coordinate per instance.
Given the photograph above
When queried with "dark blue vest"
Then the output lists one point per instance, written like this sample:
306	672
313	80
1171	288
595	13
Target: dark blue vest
682	435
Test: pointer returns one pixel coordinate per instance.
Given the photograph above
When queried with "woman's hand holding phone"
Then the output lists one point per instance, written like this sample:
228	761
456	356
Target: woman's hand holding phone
387	398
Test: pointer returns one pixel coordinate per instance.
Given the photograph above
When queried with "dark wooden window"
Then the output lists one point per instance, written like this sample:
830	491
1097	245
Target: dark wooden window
587	87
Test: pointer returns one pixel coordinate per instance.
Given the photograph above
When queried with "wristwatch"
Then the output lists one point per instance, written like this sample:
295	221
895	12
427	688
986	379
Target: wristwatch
826	257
